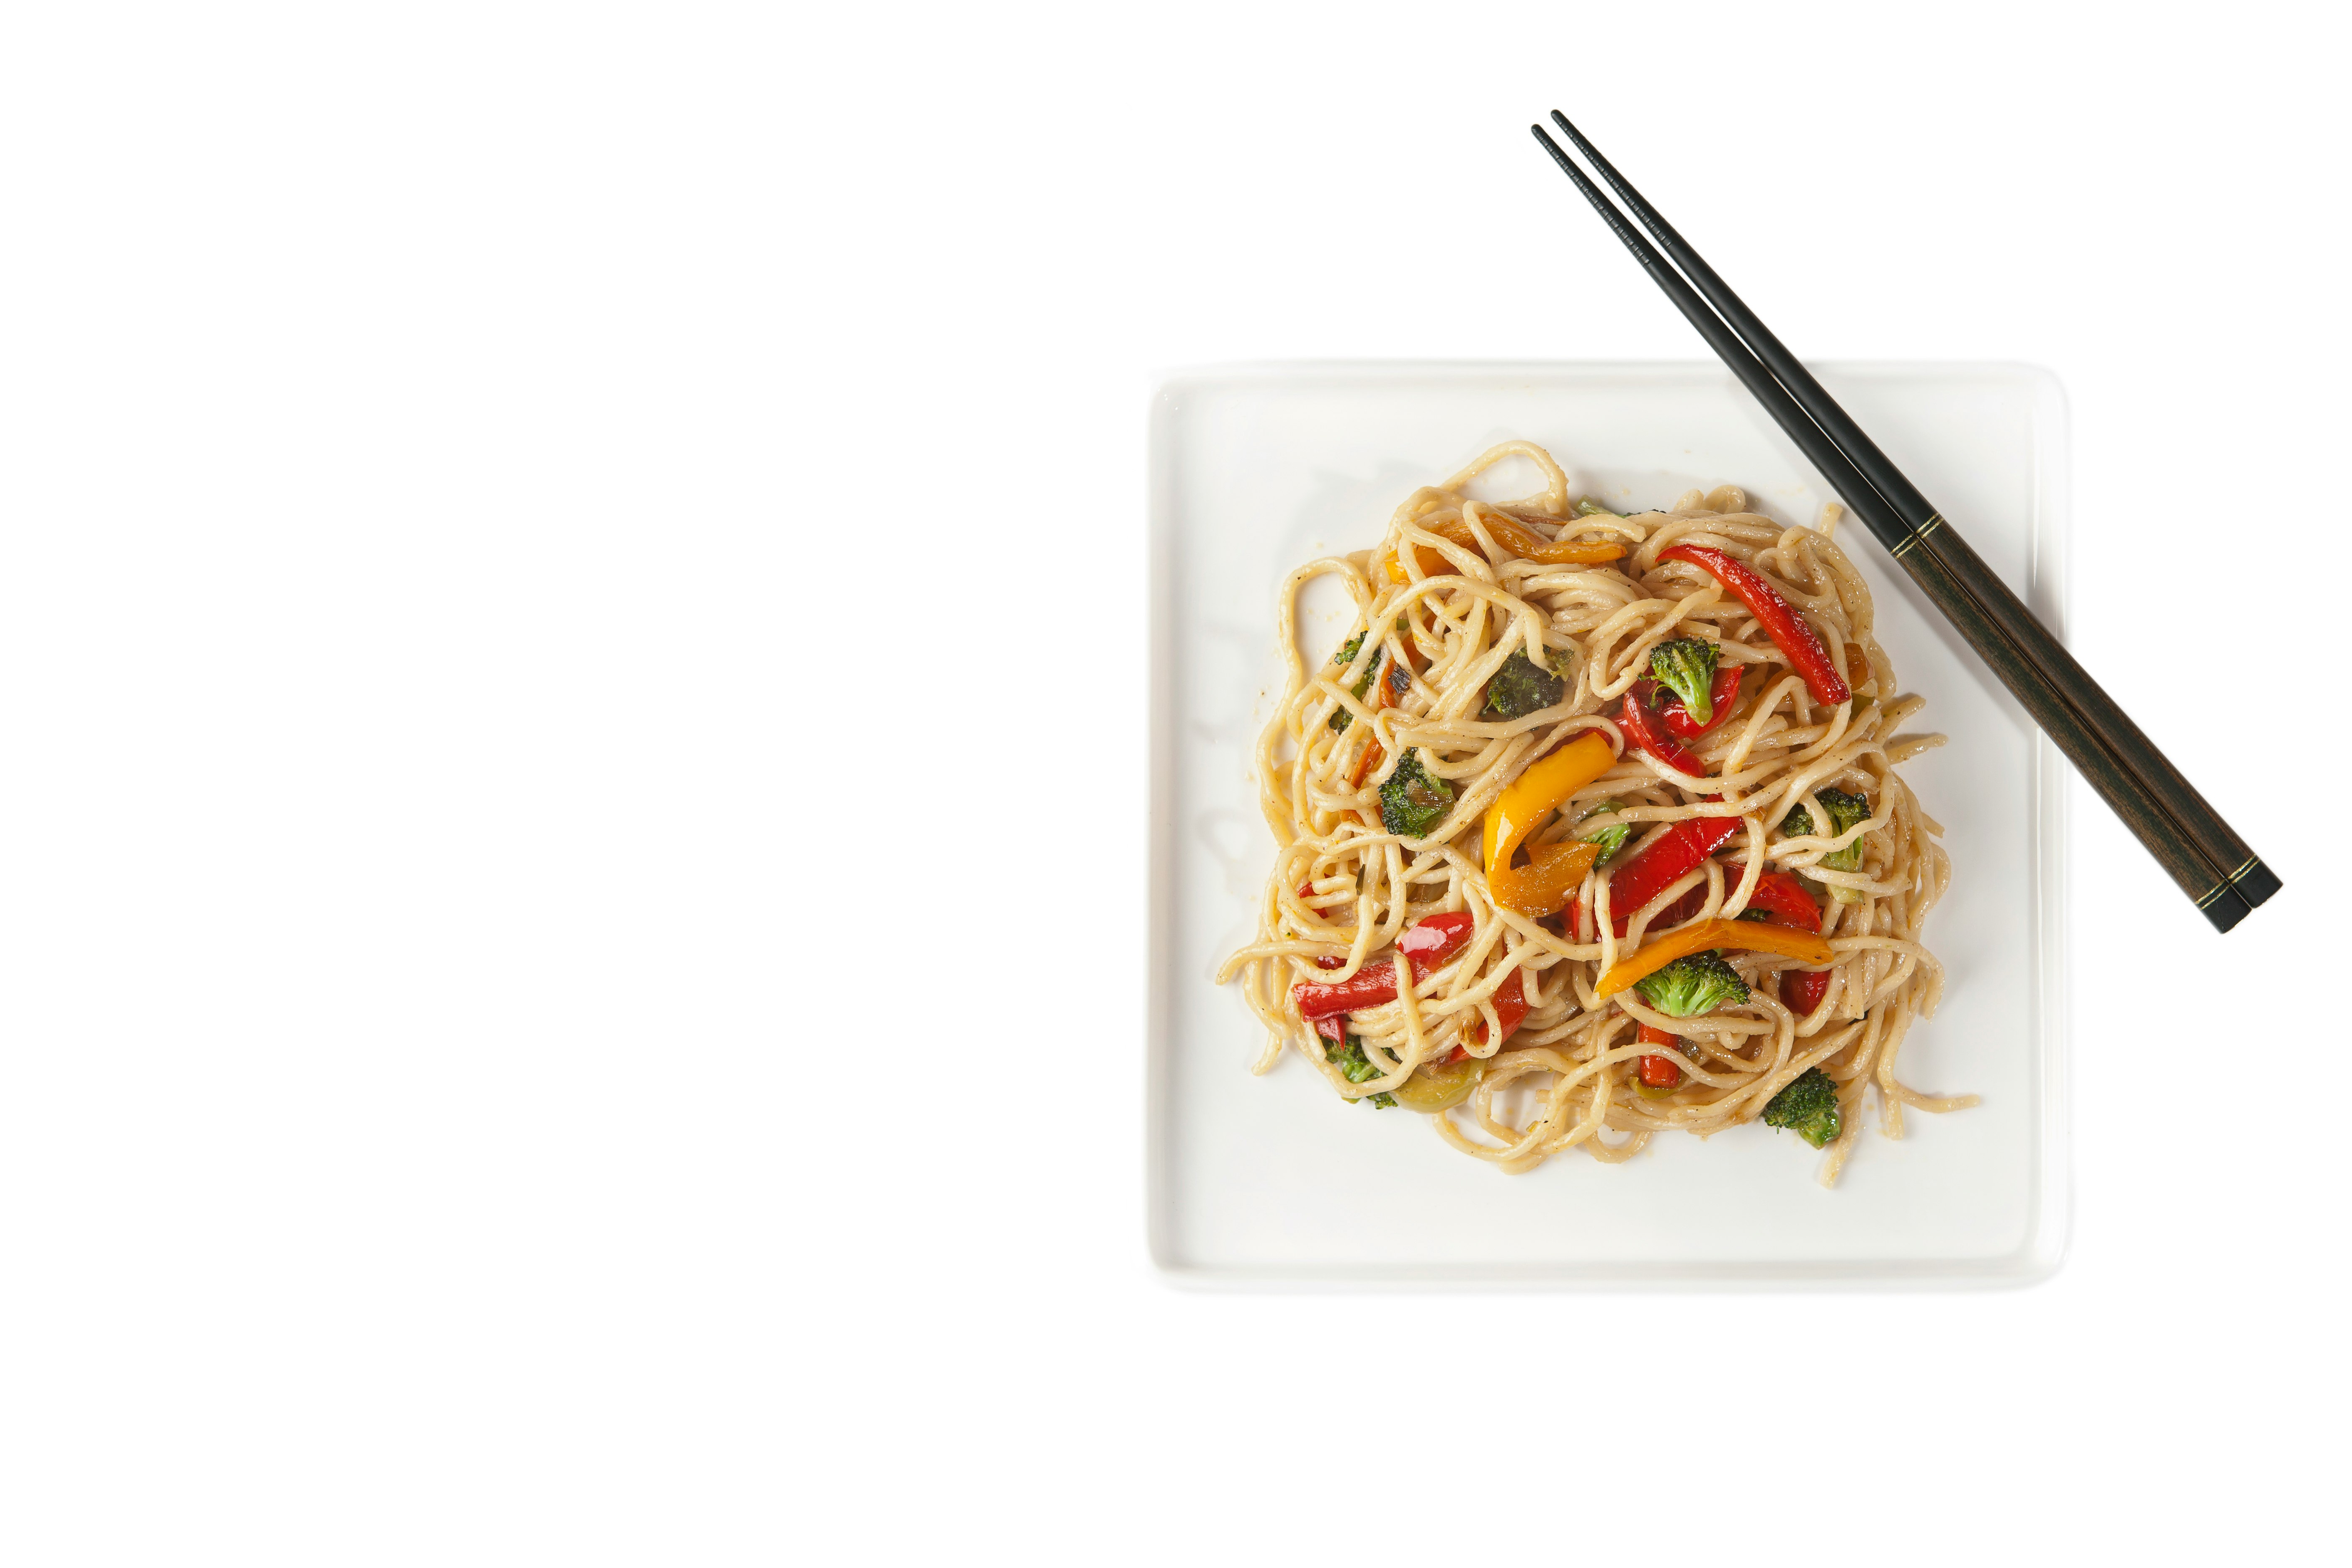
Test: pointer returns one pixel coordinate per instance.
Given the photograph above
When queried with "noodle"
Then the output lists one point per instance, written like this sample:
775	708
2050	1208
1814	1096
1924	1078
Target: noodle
1448	604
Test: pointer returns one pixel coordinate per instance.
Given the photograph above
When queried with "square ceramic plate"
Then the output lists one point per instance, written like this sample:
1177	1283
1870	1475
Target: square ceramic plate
1273	1179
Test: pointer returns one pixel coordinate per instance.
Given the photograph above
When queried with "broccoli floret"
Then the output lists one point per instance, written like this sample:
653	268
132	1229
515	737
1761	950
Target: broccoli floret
1809	1106
1357	1067
1685	667
1414	800
1611	837
1399	682
1692	985
1521	688
1844	810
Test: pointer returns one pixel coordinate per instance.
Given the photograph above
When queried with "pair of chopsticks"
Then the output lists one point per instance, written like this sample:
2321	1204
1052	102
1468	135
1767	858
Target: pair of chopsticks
2186	837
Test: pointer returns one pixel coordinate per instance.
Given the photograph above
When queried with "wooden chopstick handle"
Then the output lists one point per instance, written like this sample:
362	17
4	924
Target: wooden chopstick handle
2163	810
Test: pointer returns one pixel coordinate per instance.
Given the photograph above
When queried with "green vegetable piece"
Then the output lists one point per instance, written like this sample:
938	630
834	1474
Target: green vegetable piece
1344	657
1809	1107
1357	1067
1844	810
1434	1086
1688	986
1399	682
1612	838
1685	667
1521	688
1414	800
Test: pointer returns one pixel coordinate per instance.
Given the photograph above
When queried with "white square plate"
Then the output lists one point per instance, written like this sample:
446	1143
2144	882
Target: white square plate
1273	1179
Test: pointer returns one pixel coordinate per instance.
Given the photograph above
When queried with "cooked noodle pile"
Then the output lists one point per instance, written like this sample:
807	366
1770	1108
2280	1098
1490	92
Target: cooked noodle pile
1444	613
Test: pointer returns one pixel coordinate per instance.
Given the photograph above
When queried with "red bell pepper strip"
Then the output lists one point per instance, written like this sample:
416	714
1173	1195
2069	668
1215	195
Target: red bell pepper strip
1648	732
1428	942
1510	1009
1801	990
1373	984
1783	900
1676	714
1789	630
1658	1072
1432	939
1680	851
1778	896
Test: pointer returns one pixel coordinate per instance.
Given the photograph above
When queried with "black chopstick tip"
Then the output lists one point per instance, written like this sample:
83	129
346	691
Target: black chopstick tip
2227	911
2255	884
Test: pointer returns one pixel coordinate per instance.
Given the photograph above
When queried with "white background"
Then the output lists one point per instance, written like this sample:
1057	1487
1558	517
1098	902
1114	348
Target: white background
569	632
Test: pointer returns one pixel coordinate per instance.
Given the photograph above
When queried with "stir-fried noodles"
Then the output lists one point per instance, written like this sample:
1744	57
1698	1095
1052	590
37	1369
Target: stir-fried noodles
1591	830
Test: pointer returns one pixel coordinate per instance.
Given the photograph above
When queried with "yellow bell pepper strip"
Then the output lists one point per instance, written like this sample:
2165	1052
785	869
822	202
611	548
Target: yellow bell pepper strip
1755	936
1553	870
1542	786
1517	540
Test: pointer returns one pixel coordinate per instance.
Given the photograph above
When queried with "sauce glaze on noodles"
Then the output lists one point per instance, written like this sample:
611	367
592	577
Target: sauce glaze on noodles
1566	1078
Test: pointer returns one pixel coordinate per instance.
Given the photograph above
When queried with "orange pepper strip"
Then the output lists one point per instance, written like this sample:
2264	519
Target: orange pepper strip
1515	539
1756	936
1560	551
1553	871
1577	552
1545	884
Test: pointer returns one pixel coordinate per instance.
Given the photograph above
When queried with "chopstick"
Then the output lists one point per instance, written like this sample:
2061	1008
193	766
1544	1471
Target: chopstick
2186	837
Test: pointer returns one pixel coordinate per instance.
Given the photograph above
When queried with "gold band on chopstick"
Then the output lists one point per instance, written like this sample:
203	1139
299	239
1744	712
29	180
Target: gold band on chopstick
1918	533
2226	883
